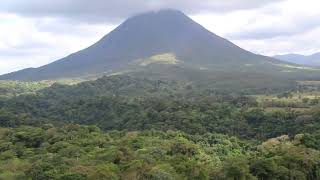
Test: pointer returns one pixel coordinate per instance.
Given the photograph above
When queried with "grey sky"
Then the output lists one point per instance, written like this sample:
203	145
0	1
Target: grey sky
97	11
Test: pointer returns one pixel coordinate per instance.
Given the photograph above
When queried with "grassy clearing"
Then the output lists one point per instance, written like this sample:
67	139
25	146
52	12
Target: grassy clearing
167	58
294	101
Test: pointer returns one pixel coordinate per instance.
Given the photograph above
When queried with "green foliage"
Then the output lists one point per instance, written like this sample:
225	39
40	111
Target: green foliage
84	152
126	113
129	128
81	152
15	88
126	103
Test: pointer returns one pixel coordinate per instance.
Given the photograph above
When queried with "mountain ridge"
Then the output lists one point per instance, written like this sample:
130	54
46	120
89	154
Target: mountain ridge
308	60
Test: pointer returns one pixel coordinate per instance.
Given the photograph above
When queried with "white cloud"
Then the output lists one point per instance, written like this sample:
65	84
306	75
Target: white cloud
283	19
304	43
291	26
26	42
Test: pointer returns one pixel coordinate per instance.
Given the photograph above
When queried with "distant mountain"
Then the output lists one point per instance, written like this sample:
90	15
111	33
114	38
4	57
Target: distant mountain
164	43
312	60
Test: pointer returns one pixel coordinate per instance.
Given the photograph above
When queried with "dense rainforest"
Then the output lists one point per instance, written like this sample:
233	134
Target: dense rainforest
84	152
123	127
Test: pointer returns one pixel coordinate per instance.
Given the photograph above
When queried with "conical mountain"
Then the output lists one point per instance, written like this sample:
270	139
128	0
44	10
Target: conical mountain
165	32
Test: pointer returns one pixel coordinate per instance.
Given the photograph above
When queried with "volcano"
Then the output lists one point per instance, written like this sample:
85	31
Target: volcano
160	37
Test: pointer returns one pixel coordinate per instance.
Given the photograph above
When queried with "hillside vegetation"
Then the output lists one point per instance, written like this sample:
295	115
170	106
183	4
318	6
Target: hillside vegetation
128	127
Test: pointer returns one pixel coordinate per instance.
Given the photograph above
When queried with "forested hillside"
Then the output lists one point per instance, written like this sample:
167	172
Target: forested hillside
123	127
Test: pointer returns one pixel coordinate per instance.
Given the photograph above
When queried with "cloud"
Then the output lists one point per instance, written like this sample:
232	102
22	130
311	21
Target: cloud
303	43
283	19
101	11
290	26
30	42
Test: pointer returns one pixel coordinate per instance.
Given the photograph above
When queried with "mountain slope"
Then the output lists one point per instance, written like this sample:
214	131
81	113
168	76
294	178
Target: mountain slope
143	36
312	60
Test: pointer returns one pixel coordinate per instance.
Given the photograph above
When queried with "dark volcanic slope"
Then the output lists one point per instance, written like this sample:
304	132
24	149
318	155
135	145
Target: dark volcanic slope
142	36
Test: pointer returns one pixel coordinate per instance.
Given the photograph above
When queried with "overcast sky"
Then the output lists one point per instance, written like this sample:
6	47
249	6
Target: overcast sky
36	32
